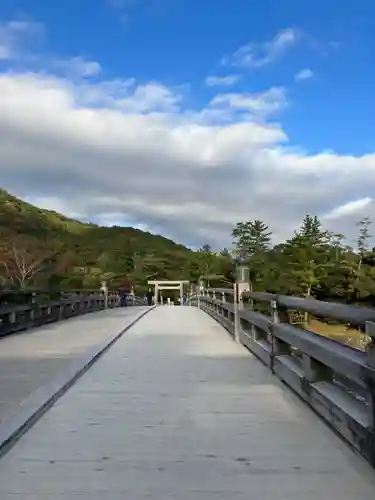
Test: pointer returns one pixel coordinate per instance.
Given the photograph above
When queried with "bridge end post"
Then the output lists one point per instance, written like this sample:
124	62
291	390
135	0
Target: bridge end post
236	315
104	289
238	289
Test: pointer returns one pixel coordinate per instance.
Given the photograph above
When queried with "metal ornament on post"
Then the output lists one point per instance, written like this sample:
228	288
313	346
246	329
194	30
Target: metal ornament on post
241	285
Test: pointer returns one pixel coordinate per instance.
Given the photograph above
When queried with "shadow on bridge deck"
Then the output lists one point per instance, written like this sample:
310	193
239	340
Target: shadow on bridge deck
175	409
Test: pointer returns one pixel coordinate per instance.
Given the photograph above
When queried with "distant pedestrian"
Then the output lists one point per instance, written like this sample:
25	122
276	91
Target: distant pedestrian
149	297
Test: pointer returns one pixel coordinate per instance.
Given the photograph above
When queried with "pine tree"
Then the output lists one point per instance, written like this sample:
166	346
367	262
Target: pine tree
364	236
250	238
207	261
308	255
363	241
311	230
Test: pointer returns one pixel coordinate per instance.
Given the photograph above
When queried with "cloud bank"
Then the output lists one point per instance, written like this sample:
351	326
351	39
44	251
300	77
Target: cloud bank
123	152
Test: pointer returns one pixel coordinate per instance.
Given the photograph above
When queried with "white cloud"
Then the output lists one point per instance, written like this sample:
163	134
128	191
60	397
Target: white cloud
168	170
18	43
344	217
120	150
224	81
304	74
16	36
150	97
261	104
75	66
349	208
256	55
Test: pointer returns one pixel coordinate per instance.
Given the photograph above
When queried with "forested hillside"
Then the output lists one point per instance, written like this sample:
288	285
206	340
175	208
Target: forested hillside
41	248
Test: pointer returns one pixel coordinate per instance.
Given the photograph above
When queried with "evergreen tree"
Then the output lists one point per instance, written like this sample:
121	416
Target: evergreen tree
250	238
252	241
307	252
362	284
364	236
311	230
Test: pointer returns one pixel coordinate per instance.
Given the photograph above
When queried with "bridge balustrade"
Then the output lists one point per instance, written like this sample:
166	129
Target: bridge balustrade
335	380
23	310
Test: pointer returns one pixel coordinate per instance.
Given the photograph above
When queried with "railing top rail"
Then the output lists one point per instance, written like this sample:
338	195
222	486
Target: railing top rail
10	308
228	291
356	315
7	308
31	292
342	358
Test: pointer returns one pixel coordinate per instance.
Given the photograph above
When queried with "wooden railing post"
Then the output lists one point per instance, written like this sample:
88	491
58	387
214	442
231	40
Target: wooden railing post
104	289
275	320
236	313
12	317
240	288
277	346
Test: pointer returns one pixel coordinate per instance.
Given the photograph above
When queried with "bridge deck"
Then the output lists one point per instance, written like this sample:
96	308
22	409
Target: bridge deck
175	409
29	359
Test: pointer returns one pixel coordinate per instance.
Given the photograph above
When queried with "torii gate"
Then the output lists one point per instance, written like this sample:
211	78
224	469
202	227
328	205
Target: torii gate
168	285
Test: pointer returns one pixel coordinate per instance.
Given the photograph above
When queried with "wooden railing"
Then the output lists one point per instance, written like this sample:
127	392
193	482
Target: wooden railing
337	381
23	310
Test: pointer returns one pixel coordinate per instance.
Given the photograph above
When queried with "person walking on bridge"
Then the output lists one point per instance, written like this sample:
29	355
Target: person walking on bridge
149	297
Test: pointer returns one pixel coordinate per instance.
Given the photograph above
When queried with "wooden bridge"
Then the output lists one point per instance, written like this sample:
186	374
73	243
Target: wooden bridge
163	402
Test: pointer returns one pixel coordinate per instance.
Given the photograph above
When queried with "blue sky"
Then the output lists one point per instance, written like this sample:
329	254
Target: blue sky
308	65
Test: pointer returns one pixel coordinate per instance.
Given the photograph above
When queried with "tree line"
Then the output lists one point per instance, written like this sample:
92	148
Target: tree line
45	250
314	262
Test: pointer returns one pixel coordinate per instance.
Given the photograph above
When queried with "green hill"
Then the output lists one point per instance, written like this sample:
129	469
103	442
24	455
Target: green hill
62	252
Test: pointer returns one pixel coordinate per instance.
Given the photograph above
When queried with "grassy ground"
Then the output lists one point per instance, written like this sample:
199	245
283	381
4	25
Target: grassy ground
339	333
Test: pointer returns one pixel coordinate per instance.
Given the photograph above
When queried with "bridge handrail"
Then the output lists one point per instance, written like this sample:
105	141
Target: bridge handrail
225	291
16	317
337	381
355	315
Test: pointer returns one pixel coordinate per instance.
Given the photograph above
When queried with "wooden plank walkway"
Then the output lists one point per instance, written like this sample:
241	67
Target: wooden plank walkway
30	359
175	409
